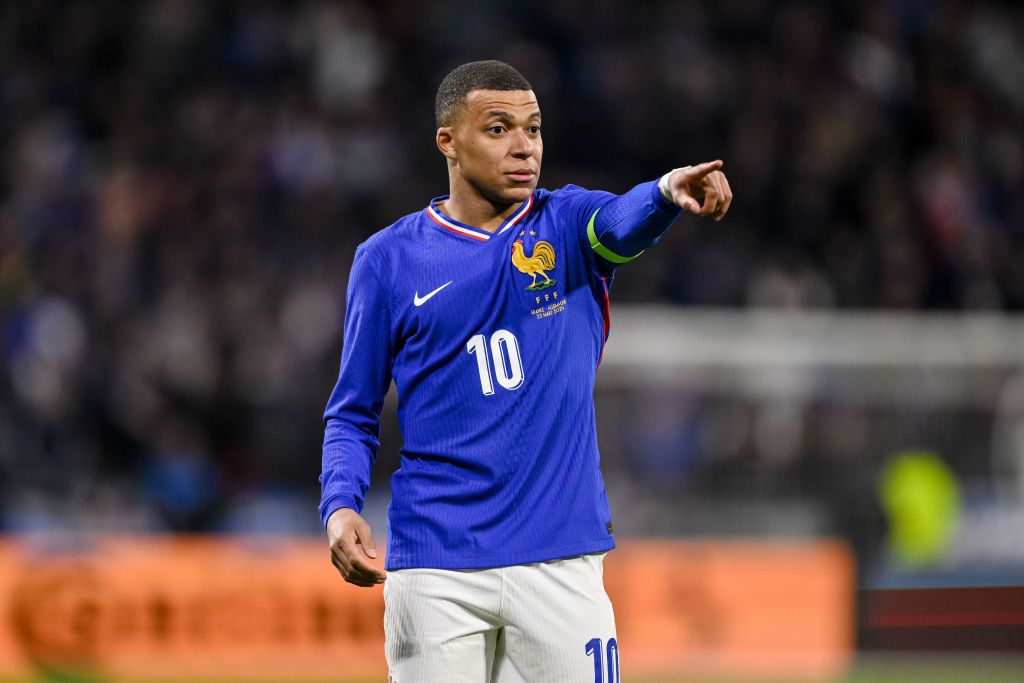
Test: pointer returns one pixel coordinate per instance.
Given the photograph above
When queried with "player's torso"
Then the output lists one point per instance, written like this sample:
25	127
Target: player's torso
490	323
495	358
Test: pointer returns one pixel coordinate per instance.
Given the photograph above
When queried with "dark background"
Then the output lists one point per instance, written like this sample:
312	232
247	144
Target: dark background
183	184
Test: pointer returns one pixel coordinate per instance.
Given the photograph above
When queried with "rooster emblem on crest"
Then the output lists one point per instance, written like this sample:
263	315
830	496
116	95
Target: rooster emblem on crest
543	258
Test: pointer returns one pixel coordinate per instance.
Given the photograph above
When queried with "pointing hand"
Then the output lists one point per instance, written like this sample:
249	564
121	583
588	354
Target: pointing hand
704	181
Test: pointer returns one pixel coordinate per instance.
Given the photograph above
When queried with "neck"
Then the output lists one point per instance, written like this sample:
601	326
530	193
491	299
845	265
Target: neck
468	206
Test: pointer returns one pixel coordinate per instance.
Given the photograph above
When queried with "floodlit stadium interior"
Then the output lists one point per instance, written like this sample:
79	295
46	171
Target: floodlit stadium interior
824	392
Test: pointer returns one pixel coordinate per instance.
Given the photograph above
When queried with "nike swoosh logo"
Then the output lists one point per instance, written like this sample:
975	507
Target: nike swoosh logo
420	300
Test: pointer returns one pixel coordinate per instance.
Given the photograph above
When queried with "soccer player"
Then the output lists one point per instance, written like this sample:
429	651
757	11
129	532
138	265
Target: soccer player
489	310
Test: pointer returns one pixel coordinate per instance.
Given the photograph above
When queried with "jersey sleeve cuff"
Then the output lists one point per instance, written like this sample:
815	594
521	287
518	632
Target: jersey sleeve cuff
335	503
660	200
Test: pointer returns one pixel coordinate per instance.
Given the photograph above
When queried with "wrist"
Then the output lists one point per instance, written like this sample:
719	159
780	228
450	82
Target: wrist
335	503
665	185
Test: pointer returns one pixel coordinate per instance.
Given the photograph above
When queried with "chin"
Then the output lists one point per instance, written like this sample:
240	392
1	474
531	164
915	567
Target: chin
519	193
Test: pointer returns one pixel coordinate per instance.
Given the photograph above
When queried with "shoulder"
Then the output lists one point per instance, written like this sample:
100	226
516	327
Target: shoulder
571	198
562	194
377	260
572	205
384	245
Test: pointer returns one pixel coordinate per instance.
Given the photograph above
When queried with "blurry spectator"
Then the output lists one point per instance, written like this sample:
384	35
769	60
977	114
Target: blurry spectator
179	478
183	184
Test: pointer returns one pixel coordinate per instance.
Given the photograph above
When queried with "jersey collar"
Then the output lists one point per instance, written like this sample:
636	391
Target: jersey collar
469	231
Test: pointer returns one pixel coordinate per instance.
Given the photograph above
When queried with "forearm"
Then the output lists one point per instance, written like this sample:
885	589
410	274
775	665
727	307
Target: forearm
352	416
348	457
629	223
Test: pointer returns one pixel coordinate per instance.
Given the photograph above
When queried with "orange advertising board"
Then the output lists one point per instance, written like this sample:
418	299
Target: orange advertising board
201	608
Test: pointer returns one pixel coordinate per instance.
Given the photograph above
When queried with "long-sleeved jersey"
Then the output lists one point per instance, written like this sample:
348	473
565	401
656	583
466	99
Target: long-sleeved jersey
493	342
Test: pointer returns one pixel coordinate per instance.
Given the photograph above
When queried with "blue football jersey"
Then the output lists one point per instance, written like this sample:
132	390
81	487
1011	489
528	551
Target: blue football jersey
493	341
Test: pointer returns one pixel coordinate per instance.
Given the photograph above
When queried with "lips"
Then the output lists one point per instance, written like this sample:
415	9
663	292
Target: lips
522	175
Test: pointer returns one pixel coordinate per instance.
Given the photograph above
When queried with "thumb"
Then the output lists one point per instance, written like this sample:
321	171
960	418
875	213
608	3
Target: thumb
365	538
691	205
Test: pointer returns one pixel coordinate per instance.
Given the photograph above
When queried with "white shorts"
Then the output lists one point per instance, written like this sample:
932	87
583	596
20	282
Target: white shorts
536	623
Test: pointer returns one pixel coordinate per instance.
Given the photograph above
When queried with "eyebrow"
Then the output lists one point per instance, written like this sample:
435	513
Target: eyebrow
505	116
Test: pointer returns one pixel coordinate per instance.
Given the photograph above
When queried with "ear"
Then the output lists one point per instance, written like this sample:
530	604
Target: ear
446	142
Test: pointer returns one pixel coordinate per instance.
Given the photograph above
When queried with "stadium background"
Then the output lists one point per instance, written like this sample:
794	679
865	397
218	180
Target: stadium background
183	184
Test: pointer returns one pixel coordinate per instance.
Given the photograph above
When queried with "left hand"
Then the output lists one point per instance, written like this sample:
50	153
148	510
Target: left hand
703	181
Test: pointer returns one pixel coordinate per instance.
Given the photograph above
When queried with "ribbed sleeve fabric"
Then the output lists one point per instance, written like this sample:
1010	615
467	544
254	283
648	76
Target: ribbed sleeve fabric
352	416
630	223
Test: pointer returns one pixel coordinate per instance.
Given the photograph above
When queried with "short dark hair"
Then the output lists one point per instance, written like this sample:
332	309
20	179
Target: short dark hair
462	80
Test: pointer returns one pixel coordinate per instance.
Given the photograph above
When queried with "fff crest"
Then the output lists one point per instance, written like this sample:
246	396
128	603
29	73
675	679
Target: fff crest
542	259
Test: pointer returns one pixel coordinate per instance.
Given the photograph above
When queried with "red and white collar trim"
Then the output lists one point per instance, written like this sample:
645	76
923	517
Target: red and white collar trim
475	233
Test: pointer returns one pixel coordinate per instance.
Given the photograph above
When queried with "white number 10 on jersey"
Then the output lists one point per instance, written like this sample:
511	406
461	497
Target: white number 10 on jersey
508	364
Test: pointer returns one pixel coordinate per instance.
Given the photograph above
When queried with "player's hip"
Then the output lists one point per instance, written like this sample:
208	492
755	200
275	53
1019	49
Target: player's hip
533	622
579	578
409	550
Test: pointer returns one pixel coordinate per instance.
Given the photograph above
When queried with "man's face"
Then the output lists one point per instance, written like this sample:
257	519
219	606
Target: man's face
497	144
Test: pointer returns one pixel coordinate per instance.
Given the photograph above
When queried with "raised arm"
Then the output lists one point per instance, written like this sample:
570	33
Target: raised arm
619	228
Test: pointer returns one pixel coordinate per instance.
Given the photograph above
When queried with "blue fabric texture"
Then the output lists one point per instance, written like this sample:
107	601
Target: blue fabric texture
493	342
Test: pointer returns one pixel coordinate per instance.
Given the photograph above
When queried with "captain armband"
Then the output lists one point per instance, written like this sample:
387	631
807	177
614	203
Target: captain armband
601	250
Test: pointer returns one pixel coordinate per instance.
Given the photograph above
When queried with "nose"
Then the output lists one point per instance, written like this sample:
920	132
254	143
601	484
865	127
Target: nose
522	145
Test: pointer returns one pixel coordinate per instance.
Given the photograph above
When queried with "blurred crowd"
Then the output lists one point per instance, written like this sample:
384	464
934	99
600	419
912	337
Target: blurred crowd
183	184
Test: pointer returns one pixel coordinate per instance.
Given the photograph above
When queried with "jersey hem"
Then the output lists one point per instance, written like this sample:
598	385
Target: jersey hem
393	563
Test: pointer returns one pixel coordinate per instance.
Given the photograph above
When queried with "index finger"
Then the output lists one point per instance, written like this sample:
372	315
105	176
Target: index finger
701	170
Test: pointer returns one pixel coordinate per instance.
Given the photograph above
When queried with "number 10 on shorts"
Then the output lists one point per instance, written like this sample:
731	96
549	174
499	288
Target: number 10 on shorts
595	650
